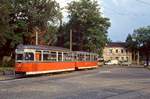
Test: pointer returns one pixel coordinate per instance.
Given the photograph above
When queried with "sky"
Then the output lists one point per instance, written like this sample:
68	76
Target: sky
124	15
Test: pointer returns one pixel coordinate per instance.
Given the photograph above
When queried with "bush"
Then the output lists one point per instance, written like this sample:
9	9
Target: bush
8	64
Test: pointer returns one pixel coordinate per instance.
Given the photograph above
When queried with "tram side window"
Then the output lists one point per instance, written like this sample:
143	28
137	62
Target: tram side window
87	57
75	57
84	57
92	58
49	56
53	56
29	56
78	57
95	58
68	57
65	56
45	55
59	56
81	57
19	57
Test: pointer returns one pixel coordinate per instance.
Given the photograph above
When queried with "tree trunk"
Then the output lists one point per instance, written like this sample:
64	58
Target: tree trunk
134	57
138	57
147	60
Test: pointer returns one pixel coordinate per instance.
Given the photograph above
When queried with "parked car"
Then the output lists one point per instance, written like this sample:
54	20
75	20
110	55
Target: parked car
126	63
112	62
108	63
145	63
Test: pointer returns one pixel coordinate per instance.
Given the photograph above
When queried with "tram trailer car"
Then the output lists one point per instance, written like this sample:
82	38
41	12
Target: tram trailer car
38	59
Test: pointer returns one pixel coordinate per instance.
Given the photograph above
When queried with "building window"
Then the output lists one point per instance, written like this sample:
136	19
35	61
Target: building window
127	58
111	58
117	58
116	50
122	58
126	51
121	50
110	50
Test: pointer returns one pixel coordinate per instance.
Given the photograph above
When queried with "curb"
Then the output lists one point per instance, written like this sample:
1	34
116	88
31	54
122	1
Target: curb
148	67
3	78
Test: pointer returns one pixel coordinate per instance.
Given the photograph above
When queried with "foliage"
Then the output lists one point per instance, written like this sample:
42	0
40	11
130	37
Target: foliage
141	37
20	19
36	14
88	25
51	35
23	17
5	69
131	43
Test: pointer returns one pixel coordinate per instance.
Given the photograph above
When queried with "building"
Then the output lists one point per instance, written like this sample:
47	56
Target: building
117	51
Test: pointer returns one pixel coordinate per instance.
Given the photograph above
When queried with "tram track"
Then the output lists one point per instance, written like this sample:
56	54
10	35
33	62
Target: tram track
53	76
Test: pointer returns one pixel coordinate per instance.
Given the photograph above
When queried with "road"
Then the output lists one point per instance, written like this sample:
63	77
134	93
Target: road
101	83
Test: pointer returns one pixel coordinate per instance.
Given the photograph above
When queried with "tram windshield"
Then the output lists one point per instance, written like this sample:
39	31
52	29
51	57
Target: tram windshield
29	56
19	57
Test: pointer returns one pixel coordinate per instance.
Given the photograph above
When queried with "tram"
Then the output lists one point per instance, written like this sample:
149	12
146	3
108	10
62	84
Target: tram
38	59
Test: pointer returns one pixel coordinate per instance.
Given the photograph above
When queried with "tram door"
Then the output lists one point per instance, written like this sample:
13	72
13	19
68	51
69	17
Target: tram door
38	55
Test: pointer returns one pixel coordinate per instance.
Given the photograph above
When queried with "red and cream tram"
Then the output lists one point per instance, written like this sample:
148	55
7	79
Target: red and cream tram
32	59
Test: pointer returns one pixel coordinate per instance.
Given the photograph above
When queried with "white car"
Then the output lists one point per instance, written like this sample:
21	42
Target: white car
126	63
108	63
112	62
145	63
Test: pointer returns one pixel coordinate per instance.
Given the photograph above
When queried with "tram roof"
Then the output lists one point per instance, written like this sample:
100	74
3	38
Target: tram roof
84	52
42	47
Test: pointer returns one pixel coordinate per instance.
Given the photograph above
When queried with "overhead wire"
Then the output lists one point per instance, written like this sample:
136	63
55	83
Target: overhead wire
143	2
125	12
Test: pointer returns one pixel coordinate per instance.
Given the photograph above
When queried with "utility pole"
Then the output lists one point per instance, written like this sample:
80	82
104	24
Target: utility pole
70	39
36	38
36	35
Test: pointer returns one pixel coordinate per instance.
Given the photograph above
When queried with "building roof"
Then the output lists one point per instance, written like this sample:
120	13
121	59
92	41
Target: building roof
116	44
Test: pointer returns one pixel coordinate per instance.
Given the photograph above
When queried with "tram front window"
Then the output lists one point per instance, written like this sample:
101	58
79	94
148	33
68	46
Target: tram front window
19	57
29	56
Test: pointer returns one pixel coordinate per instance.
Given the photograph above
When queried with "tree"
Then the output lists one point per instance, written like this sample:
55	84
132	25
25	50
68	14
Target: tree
142	37
36	14
51	35
6	29
27	16
88	26
131	45
20	19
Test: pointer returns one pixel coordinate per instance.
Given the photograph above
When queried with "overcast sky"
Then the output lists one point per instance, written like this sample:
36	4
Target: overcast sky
125	16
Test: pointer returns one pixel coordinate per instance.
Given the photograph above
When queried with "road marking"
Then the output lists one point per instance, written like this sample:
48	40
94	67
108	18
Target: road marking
105	71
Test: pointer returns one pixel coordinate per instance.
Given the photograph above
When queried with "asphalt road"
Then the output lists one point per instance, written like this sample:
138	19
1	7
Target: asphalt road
102	83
